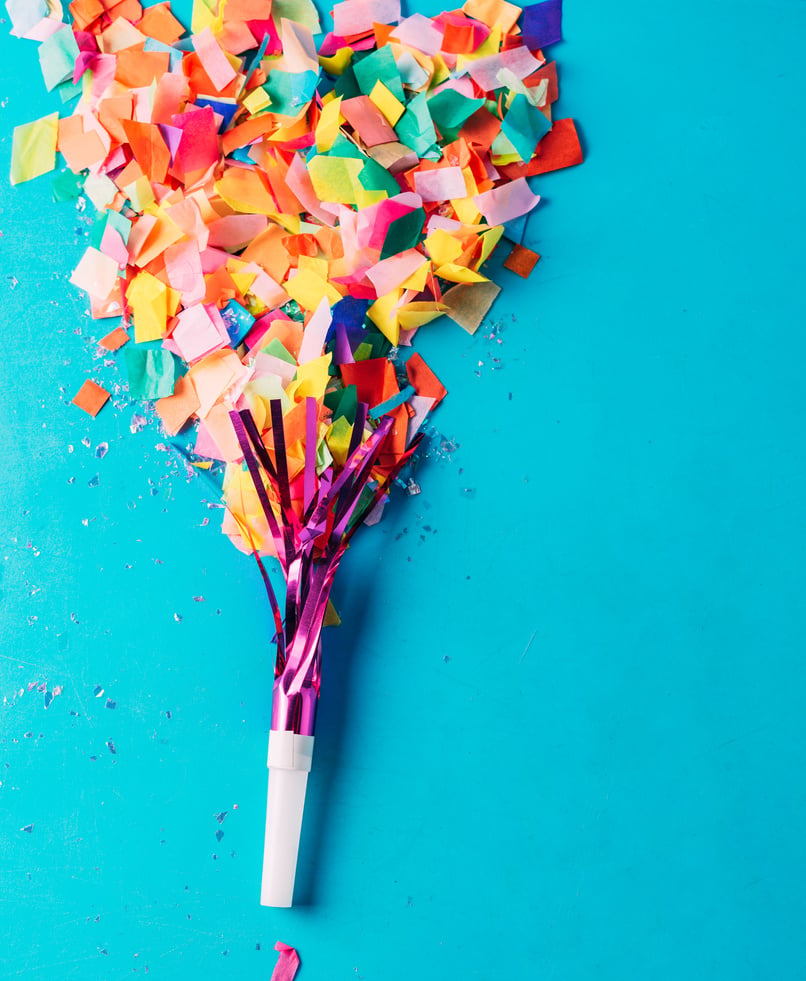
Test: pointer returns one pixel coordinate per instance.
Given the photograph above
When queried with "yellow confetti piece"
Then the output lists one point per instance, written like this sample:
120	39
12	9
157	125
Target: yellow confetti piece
309	290
391	107
332	618
441	71
257	100
327	129
173	300
243	280
312	379
140	193
488	47
365	198
204	15
383	314
317	266
442	247
336	64
455	273
148	298
418	278
466	210
418	313
336	178
470	182
338	439
34	148
489	241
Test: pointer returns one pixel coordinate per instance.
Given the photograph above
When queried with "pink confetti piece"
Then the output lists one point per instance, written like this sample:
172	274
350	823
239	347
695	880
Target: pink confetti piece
440	184
506	202
485	71
287	963
315	332
213	59
96	273
419	32
357	16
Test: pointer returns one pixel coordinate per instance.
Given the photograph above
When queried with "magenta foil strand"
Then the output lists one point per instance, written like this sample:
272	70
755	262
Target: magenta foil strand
308	571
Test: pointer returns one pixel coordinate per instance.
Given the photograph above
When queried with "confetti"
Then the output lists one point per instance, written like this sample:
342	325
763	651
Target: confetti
287	963
521	261
115	339
277	219
91	397
33	151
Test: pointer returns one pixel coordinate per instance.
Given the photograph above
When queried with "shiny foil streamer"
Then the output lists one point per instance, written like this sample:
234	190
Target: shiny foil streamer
309	546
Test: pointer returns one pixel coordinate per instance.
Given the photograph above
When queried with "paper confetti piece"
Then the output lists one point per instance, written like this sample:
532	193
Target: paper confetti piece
96	273
91	398
175	410
357	16
25	15
159	23
542	23
57	57
287	962
440	184
81	149
151	373
559	148
468	305
521	261
493	13
115	339
502	204
218	69
33	150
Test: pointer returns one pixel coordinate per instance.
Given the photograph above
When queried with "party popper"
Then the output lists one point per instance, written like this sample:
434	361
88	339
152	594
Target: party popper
279	211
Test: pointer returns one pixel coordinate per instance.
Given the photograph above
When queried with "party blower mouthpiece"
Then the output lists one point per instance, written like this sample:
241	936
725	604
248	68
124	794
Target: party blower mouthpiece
289	764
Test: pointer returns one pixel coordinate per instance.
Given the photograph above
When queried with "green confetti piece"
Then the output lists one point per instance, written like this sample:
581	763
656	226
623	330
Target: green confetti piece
376	178
277	349
415	127
524	126
67	186
152	372
450	110
403	233
381	65
57	57
347	85
343	402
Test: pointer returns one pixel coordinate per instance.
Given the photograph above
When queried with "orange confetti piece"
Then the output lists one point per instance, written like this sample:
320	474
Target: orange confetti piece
91	398
159	23
149	149
521	261
115	339
175	410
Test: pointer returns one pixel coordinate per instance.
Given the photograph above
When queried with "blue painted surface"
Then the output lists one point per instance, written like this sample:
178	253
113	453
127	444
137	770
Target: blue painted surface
605	778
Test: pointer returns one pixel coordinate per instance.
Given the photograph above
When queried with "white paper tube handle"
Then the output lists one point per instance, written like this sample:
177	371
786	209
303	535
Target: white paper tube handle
289	764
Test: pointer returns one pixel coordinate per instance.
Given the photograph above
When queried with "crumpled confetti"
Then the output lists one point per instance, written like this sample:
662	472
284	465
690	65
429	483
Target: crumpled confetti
287	963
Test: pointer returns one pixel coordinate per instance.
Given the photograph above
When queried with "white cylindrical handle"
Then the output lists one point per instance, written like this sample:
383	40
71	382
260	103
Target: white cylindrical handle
289	763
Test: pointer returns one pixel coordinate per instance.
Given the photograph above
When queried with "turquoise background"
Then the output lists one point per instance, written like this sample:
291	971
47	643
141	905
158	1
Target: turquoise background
562	728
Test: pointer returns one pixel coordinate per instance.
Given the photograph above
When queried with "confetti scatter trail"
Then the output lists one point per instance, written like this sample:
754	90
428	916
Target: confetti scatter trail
280	210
